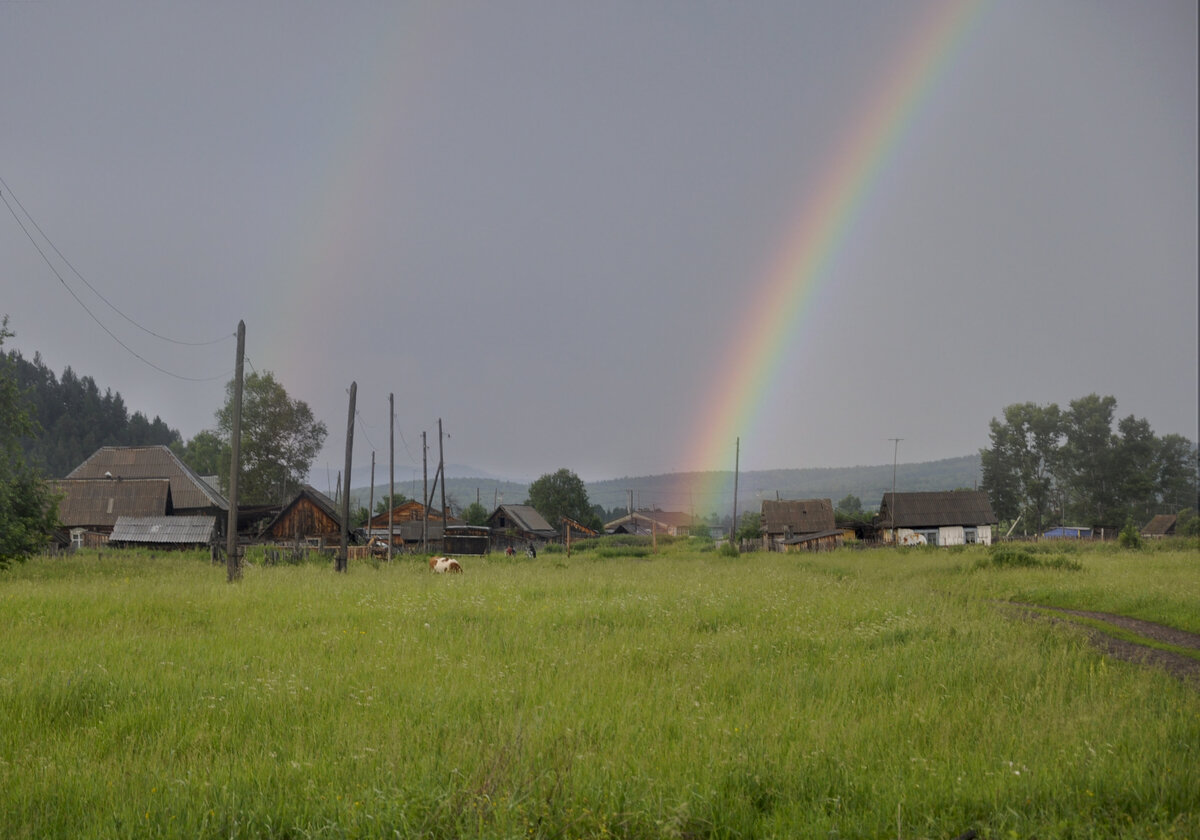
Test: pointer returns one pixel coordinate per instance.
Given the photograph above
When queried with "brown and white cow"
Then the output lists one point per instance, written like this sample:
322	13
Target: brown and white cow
444	564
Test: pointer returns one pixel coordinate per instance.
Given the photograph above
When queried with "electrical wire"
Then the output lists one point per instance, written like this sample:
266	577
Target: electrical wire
83	279
111	335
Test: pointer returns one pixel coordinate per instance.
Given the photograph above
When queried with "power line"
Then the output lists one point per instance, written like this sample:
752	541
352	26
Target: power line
71	291
84	280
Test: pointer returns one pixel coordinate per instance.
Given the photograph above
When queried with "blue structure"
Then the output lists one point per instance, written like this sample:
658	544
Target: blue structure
1068	532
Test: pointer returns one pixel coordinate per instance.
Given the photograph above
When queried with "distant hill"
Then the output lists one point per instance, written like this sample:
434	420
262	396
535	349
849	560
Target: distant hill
868	483
675	491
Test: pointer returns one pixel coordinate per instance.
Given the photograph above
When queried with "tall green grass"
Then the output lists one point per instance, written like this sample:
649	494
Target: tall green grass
850	694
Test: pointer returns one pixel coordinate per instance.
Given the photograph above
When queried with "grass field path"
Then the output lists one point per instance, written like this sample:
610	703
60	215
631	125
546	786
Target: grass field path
1129	647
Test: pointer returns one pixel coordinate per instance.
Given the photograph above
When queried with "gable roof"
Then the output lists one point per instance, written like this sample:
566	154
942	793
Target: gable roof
936	509
523	518
410	511
322	502
648	521
799	516
1161	525
171	530
99	502
188	490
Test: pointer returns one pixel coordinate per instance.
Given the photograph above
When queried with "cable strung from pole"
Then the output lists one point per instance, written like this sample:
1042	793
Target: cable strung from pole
71	291
83	279
363	425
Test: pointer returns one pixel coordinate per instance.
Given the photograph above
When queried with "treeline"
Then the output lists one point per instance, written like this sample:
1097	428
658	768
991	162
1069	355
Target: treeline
1075	466
74	418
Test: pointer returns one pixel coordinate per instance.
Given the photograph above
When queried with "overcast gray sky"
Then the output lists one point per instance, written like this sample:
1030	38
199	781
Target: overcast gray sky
548	223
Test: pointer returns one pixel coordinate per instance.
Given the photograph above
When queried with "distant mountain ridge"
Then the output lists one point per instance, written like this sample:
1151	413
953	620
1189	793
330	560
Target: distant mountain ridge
675	491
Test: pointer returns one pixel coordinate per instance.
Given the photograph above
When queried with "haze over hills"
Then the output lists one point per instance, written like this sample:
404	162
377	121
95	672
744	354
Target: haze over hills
674	491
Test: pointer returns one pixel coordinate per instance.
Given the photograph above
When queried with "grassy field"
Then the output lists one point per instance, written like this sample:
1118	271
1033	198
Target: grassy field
852	694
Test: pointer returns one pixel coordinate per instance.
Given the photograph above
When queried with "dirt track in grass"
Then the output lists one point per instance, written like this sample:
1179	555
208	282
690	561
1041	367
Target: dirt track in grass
1183	667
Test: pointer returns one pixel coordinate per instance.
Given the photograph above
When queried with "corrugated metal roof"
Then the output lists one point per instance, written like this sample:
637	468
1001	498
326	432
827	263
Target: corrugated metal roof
188	490
937	509
92	502
172	530
800	516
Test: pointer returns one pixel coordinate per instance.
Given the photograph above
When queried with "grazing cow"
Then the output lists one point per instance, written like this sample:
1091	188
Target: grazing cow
378	547
913	539
444	564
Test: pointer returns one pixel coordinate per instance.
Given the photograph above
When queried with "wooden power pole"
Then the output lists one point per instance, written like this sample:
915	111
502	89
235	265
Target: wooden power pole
391	469
344	550
424	494
442	472
233	565
737	456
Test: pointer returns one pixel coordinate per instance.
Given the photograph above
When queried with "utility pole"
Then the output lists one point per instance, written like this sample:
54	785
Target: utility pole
737	456
424	494
233	565
391	469
442	470
371	498
892	506
344	551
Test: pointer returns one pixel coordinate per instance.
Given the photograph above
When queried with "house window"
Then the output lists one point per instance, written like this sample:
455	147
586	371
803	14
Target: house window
931	537
970	536
76	538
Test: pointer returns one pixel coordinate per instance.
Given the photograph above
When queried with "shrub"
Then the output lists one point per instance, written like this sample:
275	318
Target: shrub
1129	536
1013	557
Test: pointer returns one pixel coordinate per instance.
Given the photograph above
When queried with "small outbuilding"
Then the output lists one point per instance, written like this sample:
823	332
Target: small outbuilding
310	517
1162	525
792	524
164	532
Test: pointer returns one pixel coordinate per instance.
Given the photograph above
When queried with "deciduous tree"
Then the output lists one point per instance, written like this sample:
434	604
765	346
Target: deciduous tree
28	510
560	494
280	439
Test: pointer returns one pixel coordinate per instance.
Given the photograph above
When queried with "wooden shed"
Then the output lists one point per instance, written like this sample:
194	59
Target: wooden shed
785	520
311	517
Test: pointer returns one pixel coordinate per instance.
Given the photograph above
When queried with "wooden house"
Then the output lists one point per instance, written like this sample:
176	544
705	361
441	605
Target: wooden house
789	524
191	495
88	508
310	517
411	511
955	517
517	525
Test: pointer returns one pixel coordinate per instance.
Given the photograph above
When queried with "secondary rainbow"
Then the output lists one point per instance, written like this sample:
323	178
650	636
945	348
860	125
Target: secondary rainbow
775	318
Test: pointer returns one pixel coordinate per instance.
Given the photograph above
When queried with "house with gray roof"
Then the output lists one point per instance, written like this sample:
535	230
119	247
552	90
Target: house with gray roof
954	517
190	494
519	524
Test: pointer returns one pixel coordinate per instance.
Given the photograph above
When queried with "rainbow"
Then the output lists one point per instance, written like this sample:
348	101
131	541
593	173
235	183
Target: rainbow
781	302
